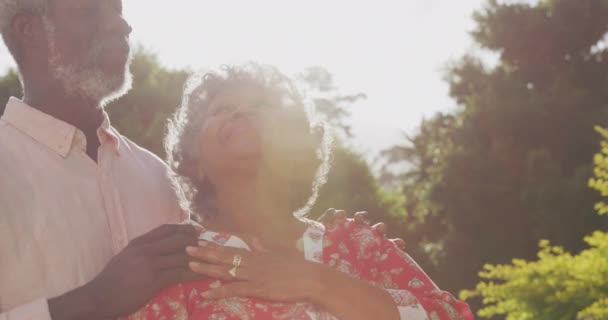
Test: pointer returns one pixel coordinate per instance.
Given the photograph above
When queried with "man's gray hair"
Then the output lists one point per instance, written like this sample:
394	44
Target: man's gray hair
9	9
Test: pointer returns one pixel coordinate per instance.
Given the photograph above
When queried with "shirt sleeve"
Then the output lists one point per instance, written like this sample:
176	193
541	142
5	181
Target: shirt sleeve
414	293
38	310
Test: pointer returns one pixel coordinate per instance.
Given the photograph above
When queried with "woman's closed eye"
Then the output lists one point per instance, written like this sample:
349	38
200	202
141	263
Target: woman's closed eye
223	109
264	108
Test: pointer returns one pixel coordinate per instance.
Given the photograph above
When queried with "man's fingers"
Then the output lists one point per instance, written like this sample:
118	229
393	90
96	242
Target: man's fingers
340	214
332	215
328	217
174	276
189	275
362	217
400	243
178	260
380	228
165	231
171	244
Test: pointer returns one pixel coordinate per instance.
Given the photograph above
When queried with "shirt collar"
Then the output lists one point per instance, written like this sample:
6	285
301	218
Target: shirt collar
56	134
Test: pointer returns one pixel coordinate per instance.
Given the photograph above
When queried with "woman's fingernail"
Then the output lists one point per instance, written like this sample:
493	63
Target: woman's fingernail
194	265
360	216
380	227
400	243
341	214
202	243
191	250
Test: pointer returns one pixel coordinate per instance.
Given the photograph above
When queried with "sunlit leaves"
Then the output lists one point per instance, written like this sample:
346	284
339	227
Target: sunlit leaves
558	285
599	181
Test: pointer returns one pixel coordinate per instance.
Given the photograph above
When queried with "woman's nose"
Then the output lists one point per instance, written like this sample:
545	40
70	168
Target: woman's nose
243	112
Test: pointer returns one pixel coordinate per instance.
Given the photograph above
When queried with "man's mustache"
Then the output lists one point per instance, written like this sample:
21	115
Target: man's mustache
103	47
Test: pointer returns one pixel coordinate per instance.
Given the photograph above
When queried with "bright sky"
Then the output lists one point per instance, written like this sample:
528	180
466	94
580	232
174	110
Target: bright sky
394	51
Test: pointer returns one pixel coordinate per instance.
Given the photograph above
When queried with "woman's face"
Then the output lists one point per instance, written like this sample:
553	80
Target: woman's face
230	136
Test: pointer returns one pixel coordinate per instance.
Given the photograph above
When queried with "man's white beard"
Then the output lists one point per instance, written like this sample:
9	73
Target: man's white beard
87	81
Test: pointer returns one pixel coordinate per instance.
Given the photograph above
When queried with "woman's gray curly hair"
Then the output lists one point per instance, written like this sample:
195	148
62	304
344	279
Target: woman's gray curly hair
197	194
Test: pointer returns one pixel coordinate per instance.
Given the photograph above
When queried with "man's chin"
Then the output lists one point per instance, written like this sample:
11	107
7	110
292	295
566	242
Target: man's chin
124	85
114	79
93	84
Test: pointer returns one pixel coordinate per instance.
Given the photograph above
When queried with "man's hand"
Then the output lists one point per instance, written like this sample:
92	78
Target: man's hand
331	215
148	264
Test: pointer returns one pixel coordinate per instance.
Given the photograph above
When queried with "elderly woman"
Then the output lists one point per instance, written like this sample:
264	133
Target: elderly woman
251	162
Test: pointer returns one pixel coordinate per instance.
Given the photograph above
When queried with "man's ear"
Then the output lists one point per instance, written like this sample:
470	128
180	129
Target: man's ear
28	29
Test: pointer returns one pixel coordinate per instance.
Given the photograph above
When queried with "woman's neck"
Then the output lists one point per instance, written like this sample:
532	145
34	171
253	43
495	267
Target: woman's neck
255	209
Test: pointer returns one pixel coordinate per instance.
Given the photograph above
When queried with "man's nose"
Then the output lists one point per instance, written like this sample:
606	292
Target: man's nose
115	23
122	26
127	27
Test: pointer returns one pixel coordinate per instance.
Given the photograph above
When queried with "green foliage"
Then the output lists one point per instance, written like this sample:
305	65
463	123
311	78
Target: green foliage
143	113
426	154
510	165
9	87
558	285
597	311
352	187
600	181
351	184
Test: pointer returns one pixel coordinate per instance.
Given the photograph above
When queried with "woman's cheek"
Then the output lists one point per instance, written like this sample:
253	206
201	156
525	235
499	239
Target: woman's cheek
208	135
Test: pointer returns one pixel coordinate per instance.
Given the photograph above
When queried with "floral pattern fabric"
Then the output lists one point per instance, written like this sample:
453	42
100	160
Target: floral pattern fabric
345	246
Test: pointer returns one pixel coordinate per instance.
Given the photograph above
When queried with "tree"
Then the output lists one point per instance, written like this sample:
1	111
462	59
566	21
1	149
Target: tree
143	113
513	159
559	285
425	153
352	187
351	184
328	101
9	87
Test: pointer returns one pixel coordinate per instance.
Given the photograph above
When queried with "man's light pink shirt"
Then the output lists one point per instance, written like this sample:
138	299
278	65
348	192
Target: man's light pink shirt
63	216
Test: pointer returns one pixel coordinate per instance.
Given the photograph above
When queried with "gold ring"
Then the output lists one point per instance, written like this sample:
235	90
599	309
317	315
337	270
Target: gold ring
232	272
236	262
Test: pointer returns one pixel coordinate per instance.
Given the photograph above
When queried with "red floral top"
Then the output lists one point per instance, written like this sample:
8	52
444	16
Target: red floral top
346	246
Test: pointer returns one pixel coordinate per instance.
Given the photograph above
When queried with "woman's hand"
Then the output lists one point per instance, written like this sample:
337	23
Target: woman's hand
264	275
331	215
290	278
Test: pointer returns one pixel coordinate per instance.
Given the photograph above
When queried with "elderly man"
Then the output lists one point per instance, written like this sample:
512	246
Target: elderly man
74	192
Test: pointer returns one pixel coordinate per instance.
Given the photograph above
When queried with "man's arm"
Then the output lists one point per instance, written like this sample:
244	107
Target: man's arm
148	264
